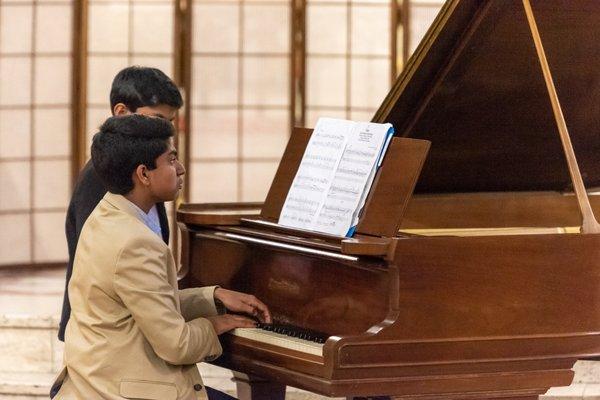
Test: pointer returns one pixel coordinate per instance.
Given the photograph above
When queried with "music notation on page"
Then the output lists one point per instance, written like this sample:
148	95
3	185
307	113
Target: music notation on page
335	175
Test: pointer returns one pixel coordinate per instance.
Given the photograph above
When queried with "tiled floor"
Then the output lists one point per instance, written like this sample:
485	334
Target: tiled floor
31	292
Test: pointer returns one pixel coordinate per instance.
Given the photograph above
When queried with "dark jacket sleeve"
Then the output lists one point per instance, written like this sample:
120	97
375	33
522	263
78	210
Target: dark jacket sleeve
164	222
88	192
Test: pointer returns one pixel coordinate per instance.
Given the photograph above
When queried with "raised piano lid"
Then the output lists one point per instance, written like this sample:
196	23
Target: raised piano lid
475	89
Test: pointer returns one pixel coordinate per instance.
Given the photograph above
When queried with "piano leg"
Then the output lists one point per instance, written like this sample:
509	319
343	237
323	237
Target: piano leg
251	387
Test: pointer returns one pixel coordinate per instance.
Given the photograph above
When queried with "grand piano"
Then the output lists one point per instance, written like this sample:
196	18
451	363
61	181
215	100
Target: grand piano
475	269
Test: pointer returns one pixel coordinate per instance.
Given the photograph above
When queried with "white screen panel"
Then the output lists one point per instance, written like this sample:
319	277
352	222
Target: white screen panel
257	179
214	181
266	133
15	28
261	36
219	138
15	133
15	247
47	37
16	184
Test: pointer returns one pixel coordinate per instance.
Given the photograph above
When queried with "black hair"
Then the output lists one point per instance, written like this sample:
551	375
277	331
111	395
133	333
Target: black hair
125	142
144	86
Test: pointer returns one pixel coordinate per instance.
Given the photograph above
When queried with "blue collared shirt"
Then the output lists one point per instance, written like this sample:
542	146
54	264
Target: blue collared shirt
151	219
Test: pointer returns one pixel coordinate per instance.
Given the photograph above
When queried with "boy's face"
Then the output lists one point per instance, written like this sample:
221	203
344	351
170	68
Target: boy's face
166	179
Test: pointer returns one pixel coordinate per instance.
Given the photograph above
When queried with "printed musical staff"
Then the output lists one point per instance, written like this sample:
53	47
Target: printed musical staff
335	175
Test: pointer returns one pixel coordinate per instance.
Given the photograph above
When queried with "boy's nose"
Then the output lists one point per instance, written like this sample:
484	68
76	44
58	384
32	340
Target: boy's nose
180	169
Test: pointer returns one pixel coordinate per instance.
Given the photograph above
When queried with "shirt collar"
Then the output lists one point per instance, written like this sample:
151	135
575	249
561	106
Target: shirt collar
120	202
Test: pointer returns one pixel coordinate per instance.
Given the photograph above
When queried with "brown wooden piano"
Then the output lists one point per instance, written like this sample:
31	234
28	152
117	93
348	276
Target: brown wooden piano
474	272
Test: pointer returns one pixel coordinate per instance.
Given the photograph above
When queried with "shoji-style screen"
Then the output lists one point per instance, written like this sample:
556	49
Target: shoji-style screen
240	100
123	33
348	58
35	138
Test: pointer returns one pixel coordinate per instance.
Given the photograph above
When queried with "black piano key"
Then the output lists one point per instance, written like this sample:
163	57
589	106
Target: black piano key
294	331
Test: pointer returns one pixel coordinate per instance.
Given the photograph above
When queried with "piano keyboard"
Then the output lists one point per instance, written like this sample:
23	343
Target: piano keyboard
284	336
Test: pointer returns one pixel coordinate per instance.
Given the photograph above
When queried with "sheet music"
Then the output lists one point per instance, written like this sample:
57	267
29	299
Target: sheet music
334	177
315	174
354	175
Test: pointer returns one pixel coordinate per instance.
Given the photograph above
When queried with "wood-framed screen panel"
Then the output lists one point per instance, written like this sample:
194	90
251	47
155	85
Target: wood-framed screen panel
120	34
240	97
35	143
349	57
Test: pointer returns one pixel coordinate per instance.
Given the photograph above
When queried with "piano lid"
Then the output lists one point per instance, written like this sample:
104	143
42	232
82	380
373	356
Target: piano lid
475	89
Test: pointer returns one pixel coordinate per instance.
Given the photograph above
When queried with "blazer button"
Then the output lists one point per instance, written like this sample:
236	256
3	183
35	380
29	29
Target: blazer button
197	387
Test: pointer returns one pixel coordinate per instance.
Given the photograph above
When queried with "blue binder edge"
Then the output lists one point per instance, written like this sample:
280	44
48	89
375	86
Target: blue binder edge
388	139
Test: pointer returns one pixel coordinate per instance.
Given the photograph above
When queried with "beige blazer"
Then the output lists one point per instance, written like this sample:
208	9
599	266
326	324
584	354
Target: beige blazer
132	334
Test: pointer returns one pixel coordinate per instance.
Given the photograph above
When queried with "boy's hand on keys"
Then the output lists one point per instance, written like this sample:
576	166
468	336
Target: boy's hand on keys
226	322
243	303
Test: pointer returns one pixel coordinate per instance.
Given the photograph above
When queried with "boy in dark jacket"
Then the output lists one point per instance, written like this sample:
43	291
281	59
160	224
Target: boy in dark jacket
135	90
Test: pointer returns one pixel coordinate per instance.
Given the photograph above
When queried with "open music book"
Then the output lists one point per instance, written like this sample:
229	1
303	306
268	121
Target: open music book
335	176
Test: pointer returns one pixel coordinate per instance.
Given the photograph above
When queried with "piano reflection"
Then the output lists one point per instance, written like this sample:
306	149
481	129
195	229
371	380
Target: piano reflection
474	272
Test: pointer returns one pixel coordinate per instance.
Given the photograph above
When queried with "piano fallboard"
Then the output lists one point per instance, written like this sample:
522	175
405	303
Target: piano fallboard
324	291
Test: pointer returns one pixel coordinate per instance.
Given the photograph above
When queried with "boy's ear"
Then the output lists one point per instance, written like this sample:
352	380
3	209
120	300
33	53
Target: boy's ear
120	109
141	174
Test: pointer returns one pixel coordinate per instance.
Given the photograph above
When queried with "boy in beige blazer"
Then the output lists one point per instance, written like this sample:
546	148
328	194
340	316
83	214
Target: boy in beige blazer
132	334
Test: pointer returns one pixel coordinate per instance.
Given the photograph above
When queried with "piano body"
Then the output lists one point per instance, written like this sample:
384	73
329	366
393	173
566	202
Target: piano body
468	277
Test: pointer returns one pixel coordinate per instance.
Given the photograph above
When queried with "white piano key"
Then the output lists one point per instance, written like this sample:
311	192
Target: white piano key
279	340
